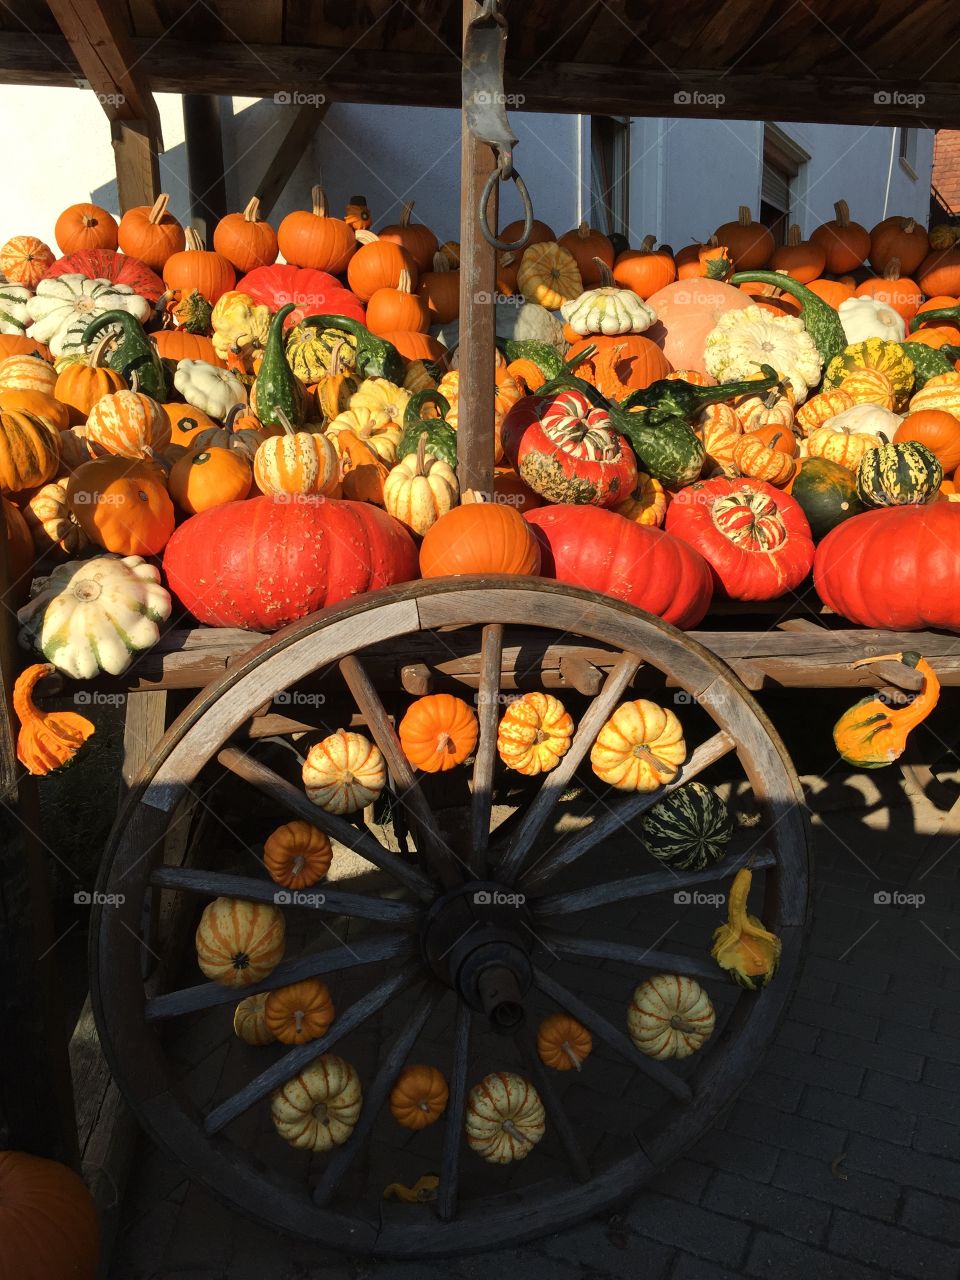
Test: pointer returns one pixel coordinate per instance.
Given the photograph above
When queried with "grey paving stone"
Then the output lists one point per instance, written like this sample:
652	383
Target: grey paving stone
846	973
774	1091
844	1077
904	1165
532	1262
931	1215
858	1191
703	1233
684	1180
690	1268
777	1256
792	1133
942	1075
851	1022
610	1249
754	1160
932	1044
895	1060
773	1207
885	1005
939	1138
918	1098
873	1118
797	1037
891	1249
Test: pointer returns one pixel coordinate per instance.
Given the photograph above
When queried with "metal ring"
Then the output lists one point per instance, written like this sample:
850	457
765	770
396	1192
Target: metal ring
524	195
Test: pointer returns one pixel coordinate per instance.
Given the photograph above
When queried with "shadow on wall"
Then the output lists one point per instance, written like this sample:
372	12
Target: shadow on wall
387	154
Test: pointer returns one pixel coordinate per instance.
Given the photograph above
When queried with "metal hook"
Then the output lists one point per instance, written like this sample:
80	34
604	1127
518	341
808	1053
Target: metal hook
491	236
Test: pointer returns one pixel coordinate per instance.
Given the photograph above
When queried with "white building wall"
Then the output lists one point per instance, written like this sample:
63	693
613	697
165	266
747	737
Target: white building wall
686	176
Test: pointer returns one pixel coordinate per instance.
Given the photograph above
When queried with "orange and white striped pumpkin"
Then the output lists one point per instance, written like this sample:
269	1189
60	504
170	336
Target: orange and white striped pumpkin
239	943
344	772
845	448
25	260
318	1109
640	747
718	428
772	409
128	424
249	1021
52	528
505	1118
941	392
670	1016
869	386
820	408
299	462
27	373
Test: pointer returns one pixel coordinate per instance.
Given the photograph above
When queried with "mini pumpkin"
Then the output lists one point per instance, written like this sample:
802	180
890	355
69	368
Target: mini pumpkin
534	733
29	451
647	505
438	732
762	460
640	748
344	773
549	275
121	505
249	1024
239	943
208	478
420	489
898	475
298	462
318	1109
298	1013
670	1016
563	1043
842	446
505	1118
418	1097
52	528
297	855
479	537
128	424
608	309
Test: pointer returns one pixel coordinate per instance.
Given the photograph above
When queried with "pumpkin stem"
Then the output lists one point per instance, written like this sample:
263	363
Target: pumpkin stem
319	200
285	422
366	237
134	381
95	359
422	454
445	744
882	657
233	413
893	270
567	1048
404	281
252	211
298	1021
192	237
647	243
405	213
744	217
842	211
510	1128
441	262
680	1024
909	226
793	236
159	209
298	865
606	275
583	231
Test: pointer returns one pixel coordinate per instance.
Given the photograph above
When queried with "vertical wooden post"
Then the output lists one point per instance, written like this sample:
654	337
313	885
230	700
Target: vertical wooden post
136	148
36	1097
204	139
478	286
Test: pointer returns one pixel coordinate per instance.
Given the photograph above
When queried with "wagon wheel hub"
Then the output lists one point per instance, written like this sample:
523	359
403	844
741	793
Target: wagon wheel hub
476	939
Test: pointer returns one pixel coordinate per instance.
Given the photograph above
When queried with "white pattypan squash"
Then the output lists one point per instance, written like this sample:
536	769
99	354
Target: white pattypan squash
609	310
864	318
865	419
93	616
63	306
744	340
14	316
210	388
380	395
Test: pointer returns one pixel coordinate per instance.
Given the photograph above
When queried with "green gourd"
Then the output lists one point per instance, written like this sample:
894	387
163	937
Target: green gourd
277	389
134	355
441	440
898	475
928	362
375	358
820	320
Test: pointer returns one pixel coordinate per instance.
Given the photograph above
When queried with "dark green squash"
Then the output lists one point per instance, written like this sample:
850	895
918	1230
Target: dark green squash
827	494
441	439
547	359
689	828
898	475
375	358
134	356
277	390
928	362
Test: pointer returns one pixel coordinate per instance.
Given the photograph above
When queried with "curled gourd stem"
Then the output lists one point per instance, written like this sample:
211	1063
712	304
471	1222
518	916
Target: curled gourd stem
285	422
647	243
95	359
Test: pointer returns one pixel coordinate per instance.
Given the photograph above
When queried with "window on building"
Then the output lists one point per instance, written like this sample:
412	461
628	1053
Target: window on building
908	150
609	163
781	181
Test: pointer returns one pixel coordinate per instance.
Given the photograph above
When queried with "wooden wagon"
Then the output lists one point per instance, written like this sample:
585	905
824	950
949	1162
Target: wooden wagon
433	909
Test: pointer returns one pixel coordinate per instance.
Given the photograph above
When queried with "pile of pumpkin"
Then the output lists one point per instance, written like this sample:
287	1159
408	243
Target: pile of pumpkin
240	943
284	434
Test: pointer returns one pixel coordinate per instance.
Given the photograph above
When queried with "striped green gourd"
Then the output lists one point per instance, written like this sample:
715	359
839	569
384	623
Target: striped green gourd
689	828
898	475
13	308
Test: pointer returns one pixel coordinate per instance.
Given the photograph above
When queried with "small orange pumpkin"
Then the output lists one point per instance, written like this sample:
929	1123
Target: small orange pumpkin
438	732
79	386
297	855
298	1013
563	1043
26	260
122	505
208	478
418	1097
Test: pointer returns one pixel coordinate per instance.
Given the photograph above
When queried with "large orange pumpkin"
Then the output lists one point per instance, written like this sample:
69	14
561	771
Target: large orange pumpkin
845	242
151	233
180	344
418	241
749	242
48	1221
587	244
122	505
901	238
85	226
687	311
938	430
200	270
479	537
644	270
245	240
415	346
315	240
799	258
628	365
18	344
833	292
940	272
379	264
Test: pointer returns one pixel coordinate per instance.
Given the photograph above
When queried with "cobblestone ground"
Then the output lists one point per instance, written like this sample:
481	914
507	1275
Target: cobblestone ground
840	1159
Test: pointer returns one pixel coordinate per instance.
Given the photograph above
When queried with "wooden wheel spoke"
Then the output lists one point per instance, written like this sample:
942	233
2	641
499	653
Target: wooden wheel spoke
453	1122
599	895
386	946
608	1033
557	779
556	1114
488	713
343	1157
620	814
627	953
316	898
292	1063
434	850
360	840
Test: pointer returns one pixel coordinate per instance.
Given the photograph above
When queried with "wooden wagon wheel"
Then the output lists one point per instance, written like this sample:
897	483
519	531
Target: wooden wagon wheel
415	930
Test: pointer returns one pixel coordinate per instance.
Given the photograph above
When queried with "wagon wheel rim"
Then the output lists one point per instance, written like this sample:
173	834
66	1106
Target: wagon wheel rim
128	1022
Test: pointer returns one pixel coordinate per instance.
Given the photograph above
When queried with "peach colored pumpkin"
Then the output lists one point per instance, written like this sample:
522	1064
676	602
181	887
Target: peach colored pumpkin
687	310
